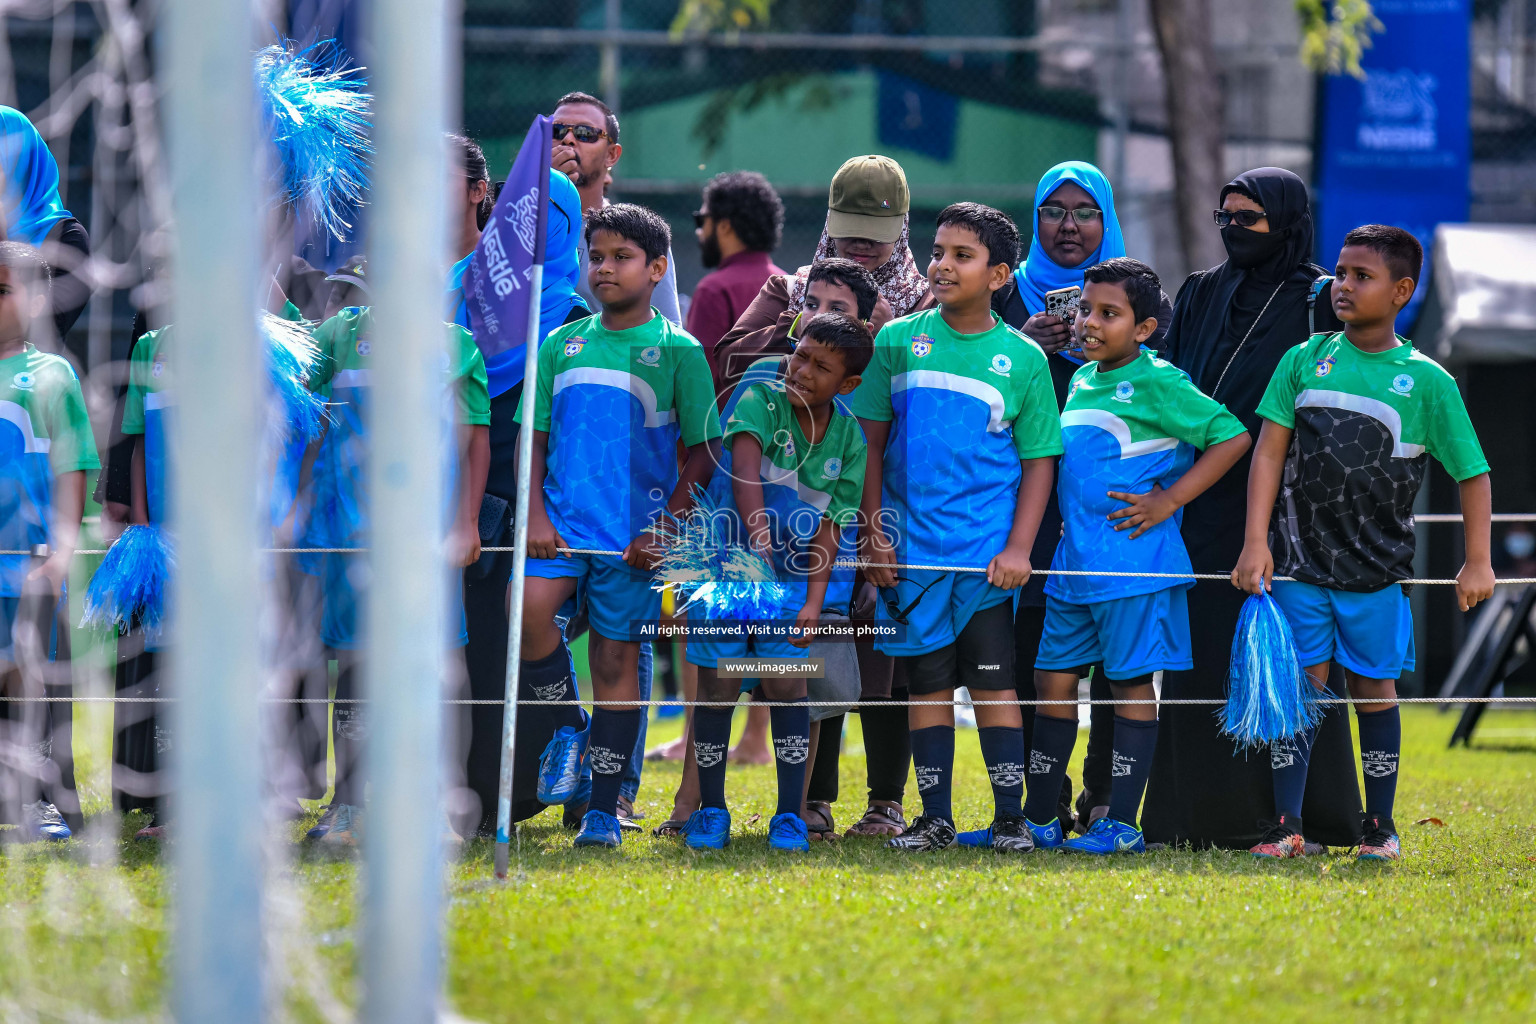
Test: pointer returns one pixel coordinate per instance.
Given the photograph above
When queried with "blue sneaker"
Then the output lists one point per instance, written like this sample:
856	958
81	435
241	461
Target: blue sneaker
708	828
598	829
321	827
1006	835
1107	836
560	765
787	831
1047	837
42	820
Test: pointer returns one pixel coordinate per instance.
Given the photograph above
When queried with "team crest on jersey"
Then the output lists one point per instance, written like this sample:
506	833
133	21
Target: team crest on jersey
1124	390
1325	366
1402	384
1001	364
832	469
573	346
789	447
23	381
157	369
650	355
921	345
365	348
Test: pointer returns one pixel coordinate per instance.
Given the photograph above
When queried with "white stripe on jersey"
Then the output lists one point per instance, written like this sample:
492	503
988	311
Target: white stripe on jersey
956	383
643	392
1375	409
1106	420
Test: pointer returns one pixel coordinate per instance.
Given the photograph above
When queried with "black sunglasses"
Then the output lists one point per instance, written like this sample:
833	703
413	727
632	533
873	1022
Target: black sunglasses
699	217
1057	214
897	612
583	132
1242	218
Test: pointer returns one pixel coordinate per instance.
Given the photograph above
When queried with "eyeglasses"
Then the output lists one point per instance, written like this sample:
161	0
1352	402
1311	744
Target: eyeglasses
699	217
583	132
1242	218
893	606
1057	214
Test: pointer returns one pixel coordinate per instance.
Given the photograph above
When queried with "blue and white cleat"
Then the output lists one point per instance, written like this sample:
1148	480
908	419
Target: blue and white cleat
1006	835
708	828
560	765
318	831
787	831
1107	836
43	821
598	829
1047	837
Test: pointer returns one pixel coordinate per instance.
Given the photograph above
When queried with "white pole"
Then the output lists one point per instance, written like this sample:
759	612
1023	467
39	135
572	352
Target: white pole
519	571
412	73
214	657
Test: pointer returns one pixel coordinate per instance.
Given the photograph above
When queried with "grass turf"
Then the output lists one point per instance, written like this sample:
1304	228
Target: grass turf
655	932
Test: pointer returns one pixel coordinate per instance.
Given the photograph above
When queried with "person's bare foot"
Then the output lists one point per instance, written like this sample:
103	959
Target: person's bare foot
673	751
741	753
753	747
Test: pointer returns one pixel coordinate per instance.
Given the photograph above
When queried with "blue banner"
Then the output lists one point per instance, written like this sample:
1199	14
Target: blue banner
497	282
916	116
1395	146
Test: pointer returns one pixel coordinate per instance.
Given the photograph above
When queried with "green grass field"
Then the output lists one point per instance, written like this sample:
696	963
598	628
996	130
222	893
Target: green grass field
853	931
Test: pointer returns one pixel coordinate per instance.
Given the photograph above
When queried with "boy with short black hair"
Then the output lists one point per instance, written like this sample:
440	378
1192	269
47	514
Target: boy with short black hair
790	481
1130	430
960	418
615	391
831	283
46	427
1350	420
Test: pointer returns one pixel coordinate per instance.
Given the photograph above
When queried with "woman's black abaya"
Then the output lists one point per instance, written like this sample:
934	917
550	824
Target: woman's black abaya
1231	325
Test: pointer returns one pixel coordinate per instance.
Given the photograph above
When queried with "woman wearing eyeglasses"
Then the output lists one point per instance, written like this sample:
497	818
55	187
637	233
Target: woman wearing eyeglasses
1231	324
1075	227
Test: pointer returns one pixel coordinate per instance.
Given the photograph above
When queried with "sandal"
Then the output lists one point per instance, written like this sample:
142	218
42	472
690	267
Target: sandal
881	818
818	821
670	827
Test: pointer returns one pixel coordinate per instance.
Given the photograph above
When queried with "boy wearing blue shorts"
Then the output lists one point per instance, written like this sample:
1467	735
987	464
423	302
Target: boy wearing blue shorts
960	417
341	515
790	480
615	393
1351	419
45	436
1131	427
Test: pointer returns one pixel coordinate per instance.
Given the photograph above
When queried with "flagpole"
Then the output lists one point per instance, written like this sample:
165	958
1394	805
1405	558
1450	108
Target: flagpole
519	573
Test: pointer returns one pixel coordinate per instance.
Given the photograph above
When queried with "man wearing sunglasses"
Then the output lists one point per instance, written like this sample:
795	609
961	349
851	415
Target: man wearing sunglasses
585	149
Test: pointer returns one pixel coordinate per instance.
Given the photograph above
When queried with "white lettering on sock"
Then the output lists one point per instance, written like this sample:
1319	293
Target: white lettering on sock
1007	774
1120	765
927	777
1378	764
606	762
1040	764
554	691
708	754
792	749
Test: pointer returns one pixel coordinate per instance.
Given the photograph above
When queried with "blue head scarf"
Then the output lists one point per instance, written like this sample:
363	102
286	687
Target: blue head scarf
1038	274
31	185
562	269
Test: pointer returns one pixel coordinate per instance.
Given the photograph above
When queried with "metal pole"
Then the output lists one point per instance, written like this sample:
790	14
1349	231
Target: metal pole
608	72
215	657
519	574
403	667
1123	30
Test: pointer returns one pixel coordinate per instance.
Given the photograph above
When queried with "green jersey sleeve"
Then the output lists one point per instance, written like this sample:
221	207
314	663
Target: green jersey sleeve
1279	402
872	399
1451	439
752	416
1192	416
72	446
849	491
327	336
471	391
140	365
544	392
1037	429
693	392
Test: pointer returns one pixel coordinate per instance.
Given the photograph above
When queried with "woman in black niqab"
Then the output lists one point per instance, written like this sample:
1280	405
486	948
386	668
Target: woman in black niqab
1231	324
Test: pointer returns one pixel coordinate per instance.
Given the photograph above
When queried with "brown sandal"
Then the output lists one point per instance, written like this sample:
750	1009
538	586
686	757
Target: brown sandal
818	821
670	827
881	818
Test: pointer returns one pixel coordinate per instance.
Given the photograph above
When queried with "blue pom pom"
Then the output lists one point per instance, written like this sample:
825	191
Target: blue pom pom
1270	696
291	358
317	111
714	575
128	589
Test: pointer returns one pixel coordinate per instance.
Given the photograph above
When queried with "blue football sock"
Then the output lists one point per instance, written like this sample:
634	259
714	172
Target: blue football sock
1130	765
550	678
711	740
1048	756
1002	749
791	747
1381	740
613	741
1288	759
933	759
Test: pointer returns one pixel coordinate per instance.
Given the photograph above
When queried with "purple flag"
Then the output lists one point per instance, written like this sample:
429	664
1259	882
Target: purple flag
497	287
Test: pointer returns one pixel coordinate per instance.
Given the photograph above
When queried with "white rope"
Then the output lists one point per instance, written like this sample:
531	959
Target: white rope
1172	701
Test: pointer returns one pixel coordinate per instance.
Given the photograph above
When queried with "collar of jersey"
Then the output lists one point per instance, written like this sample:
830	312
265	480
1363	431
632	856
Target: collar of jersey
1386	356
943	325
1099	376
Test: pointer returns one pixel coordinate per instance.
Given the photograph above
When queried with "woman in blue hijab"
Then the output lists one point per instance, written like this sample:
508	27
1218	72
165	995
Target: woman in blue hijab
34	213
1075	226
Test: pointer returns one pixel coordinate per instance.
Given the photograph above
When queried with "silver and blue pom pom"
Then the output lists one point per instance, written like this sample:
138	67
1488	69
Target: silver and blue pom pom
128	590
291	355
712	575
1270	696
